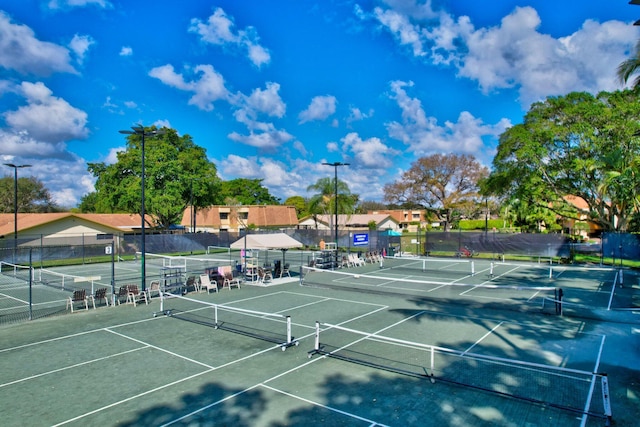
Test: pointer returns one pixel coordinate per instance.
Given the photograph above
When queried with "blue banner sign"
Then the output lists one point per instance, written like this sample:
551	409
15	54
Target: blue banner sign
361	239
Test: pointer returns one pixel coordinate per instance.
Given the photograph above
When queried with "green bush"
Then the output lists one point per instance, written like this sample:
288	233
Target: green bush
479	224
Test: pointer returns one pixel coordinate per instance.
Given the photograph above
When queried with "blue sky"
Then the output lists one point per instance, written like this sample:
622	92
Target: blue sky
272	89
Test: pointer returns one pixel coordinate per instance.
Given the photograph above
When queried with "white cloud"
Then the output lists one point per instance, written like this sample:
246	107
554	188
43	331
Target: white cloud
269	139
126	51
402	28
333	147
267	101
424	136
370	153
219	30
15	143
46	118
112	157
513	54
21	51
355	115
207	88
80	45
63	4
320	108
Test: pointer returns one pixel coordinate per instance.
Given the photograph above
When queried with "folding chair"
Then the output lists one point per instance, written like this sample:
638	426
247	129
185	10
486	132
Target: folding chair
228	279
100	294
205	283
123	294
154	287
285	270
78	296
134	295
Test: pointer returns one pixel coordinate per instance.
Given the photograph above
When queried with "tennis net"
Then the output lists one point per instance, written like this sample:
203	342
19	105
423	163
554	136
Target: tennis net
571	390
270	327
22	272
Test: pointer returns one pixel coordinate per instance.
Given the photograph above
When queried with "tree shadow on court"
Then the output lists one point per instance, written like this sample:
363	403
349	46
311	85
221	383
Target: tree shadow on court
206	408
388	400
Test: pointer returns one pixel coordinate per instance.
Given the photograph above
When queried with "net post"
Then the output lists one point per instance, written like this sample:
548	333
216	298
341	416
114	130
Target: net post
473	268
491	269
606	398
433	358
288	330
621	278
215	315
316	345
550	272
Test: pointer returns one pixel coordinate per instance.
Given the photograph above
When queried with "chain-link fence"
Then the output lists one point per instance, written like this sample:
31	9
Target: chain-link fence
39	275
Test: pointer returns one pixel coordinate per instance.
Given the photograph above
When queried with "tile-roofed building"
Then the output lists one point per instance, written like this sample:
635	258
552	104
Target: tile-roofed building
355	221
65	224
235	218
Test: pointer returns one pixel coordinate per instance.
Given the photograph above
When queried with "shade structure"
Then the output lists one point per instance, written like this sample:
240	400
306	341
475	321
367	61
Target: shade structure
266	241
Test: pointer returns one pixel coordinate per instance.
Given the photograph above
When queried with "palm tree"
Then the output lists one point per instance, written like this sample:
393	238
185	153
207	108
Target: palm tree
324	201
629	67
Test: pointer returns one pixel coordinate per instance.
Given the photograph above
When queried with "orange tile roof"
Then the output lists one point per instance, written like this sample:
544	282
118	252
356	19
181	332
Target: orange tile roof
27	221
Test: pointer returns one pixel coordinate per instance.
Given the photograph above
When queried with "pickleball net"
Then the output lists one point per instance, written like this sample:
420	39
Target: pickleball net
270	327
453	268
69	282
21	272
573	390
482	293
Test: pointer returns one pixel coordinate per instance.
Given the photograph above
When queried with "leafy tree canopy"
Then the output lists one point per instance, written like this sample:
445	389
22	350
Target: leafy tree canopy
578	145
32	196
300	204
370	205
177	172
244	191
444	183
323	202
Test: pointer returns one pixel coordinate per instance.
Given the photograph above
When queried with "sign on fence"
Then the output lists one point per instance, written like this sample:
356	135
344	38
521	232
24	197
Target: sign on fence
361	239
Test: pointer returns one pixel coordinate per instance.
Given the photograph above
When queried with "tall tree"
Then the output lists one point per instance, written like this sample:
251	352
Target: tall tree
248	192
299	203
441	182
33	196
323	202
177	172
578	145
629	67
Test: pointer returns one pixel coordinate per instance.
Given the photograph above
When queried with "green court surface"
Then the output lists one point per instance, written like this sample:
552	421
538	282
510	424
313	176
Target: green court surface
391	351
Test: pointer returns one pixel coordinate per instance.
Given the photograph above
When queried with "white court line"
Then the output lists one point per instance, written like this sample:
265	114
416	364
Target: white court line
339	411
161	349
482	338
15	299
128	399
71	366
211	369
204	408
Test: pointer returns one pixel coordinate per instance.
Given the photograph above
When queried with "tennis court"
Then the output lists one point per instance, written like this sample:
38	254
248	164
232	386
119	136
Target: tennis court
340	350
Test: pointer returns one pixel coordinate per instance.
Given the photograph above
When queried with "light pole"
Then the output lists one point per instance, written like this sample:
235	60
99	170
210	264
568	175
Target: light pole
335	166
139	130
15	205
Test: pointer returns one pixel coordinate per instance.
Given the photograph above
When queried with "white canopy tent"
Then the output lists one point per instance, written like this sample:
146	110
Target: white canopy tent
266	242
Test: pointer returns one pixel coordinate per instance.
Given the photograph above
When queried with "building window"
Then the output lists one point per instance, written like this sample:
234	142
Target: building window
243	215
224	215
